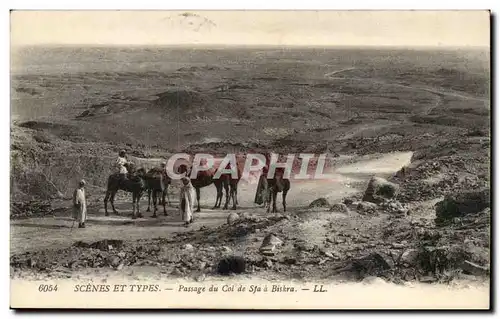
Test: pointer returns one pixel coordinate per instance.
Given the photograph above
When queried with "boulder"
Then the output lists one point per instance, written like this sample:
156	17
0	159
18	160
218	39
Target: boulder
379	188
269	244
232	218
462	204
320	202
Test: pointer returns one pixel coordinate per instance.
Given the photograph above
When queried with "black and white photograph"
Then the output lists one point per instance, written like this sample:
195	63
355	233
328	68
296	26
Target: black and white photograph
239	159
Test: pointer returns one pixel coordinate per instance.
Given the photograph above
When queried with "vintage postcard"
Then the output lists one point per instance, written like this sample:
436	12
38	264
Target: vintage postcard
250	159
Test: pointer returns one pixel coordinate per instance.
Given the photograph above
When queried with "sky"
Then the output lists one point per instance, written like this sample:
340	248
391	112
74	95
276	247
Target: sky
318	28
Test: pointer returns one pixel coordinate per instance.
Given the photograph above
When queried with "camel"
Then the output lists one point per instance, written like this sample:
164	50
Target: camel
157	182
275	185
230	184
204	179
135	184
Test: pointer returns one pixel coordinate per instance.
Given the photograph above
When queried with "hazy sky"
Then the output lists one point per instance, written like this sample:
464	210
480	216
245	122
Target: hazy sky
399	28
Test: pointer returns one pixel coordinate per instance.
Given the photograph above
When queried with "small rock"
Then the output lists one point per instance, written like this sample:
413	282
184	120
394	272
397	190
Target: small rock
121	254
474	269
397	245
367	207
267	264
428	279
232	218
176	272
114	261
409	257
271	240
340	208
120	267
329	254
320	202
302	246
226	249
373	280
188	247
347	201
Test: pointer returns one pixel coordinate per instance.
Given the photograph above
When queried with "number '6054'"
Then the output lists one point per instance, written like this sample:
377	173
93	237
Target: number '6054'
47	288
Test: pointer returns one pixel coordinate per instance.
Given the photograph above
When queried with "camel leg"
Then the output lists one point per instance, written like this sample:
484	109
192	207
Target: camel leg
275	195
149	201
106	198
268	199
137	200
133	206
112	201
226	188
155	198
164	194
235	196
218	197
198	198
168	197
220	187
284	200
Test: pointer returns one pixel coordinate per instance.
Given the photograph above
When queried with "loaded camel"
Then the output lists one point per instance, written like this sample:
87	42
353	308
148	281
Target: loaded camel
135	184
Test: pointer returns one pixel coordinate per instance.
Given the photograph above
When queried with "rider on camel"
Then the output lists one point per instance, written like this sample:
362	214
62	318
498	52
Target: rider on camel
121	163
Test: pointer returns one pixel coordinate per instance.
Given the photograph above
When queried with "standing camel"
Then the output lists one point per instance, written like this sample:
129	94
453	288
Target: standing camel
275	185
135	184
230	184
157	183
204	179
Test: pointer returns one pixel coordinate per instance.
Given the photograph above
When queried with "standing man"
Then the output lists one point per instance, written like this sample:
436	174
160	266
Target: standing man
80	204
186	201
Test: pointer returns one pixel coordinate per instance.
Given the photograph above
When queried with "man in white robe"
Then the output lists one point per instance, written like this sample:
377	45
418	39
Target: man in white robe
120	163
80	204
186	200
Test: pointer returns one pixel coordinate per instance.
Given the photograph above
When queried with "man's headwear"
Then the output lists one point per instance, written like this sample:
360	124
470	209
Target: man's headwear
82	183
163	164
122	152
